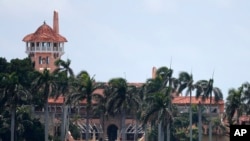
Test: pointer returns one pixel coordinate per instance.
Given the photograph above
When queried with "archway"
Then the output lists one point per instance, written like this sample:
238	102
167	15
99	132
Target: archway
112	132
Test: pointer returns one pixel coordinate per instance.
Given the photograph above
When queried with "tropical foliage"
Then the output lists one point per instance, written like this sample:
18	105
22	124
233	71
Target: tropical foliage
151	103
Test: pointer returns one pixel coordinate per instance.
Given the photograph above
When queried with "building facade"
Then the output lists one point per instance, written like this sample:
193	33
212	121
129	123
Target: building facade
45	46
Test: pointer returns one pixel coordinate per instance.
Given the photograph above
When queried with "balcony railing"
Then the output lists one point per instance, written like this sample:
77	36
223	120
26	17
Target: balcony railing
44	49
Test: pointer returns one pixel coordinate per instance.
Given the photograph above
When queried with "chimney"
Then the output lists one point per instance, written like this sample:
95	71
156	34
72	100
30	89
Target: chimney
154	72
56	22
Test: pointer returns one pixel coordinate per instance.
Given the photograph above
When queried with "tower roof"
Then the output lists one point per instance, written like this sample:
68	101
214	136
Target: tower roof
44	34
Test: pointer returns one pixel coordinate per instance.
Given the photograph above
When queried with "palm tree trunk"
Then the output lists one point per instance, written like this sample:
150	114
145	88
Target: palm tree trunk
210	119
136	130
237	117
200	124
13	116
159	131
162	134
168	132
46	121
63	122
190	117
168	126
103	126
123	125
146	132
87	125
67	121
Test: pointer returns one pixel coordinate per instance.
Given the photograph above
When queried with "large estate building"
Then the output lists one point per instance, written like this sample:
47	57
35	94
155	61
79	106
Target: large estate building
45	46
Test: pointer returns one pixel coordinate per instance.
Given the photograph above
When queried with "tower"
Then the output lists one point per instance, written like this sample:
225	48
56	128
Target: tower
45	45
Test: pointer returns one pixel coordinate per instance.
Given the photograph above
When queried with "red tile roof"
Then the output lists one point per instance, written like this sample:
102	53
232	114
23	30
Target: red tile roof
176	100
186	100
60	99
44	34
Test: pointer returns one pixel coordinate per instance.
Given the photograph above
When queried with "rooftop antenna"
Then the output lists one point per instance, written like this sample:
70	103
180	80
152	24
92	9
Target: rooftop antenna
170	62
213	75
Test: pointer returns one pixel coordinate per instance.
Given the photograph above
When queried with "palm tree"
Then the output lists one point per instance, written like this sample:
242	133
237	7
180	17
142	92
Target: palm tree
85	86
13	94
186	81
158	112
45	83
166	84
65	75
234	104
206	90
122	99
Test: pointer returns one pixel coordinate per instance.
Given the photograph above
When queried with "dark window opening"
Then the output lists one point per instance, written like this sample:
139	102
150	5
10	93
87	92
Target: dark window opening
40	60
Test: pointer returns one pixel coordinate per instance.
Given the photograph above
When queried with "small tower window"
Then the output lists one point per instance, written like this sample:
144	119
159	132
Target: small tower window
55	44
32	44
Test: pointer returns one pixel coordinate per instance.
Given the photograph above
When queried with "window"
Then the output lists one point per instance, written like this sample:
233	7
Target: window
32	44
40	60
43	61
60	45
43	44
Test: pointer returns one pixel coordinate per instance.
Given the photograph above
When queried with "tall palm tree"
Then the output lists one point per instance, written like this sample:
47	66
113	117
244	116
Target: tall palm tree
122	99
65	76
85	86
158	112
234	104
206	90
166	84
12	94
186	82
45	83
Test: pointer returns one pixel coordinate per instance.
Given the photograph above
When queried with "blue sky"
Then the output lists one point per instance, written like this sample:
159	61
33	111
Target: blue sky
115	38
